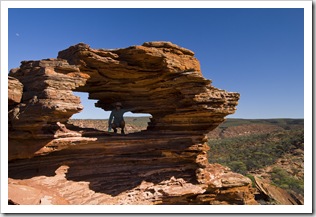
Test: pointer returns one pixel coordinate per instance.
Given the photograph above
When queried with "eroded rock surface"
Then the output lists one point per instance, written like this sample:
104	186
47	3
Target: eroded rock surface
139	168
15	91
47	99
166	164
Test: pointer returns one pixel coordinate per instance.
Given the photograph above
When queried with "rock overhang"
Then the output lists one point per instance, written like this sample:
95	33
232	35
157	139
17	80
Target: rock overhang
159	78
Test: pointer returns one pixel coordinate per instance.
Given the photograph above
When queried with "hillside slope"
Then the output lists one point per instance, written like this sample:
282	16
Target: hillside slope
271	150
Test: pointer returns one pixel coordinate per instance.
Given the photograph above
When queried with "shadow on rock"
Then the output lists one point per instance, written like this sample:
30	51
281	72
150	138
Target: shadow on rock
105	171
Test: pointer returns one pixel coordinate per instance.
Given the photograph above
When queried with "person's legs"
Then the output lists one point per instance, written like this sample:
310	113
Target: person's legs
122	126
113	125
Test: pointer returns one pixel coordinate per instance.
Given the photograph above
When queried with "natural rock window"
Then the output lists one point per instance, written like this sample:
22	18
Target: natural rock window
96	119
166	164
159	78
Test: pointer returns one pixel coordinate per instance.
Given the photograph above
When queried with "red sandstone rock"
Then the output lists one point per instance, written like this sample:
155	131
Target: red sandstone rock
21	194
47	100
167	164
159	78
15	91
139	168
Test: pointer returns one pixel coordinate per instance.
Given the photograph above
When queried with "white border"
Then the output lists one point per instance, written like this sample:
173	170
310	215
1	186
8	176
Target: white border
308	107
155	4
306	208
4	109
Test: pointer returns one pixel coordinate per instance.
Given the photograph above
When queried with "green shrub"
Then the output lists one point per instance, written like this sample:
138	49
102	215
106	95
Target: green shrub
238	167
254	151
252	178
284	180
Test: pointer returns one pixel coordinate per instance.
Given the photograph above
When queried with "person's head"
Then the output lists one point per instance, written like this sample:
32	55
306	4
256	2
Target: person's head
118	105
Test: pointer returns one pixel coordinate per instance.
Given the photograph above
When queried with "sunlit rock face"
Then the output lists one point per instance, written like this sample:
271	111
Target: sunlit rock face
47	101
15	91
166	164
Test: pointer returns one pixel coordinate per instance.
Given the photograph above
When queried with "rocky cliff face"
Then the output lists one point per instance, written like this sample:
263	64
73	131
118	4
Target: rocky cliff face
166	164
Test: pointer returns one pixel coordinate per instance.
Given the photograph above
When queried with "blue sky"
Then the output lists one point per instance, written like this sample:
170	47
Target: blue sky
256	52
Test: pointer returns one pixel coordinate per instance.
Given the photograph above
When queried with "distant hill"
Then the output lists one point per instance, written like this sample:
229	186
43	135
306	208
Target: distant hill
272	149
239	127
285	122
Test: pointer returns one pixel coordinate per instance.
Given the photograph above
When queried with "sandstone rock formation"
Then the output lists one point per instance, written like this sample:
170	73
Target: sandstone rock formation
166	164
47	99
157	78
15	91
142	168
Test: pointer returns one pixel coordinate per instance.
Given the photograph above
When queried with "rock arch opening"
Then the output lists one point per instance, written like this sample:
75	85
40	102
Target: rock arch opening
89	111
95	118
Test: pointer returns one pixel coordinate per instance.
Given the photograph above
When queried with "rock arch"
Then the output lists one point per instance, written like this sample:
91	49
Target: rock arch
158	78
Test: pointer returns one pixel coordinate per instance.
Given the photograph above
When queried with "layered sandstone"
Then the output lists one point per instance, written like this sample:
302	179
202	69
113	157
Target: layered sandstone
167	164
47	101
158	78
15	91
140	168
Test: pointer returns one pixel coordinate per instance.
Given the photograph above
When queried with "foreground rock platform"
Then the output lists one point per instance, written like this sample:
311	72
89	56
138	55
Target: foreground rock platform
166	164
137	168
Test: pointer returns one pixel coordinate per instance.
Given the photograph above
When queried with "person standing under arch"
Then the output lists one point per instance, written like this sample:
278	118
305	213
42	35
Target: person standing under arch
117	115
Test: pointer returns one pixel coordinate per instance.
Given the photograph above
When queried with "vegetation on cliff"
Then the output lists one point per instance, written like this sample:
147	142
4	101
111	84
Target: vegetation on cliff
277	153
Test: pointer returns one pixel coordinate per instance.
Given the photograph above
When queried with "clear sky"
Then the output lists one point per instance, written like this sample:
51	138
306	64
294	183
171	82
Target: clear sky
256	52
